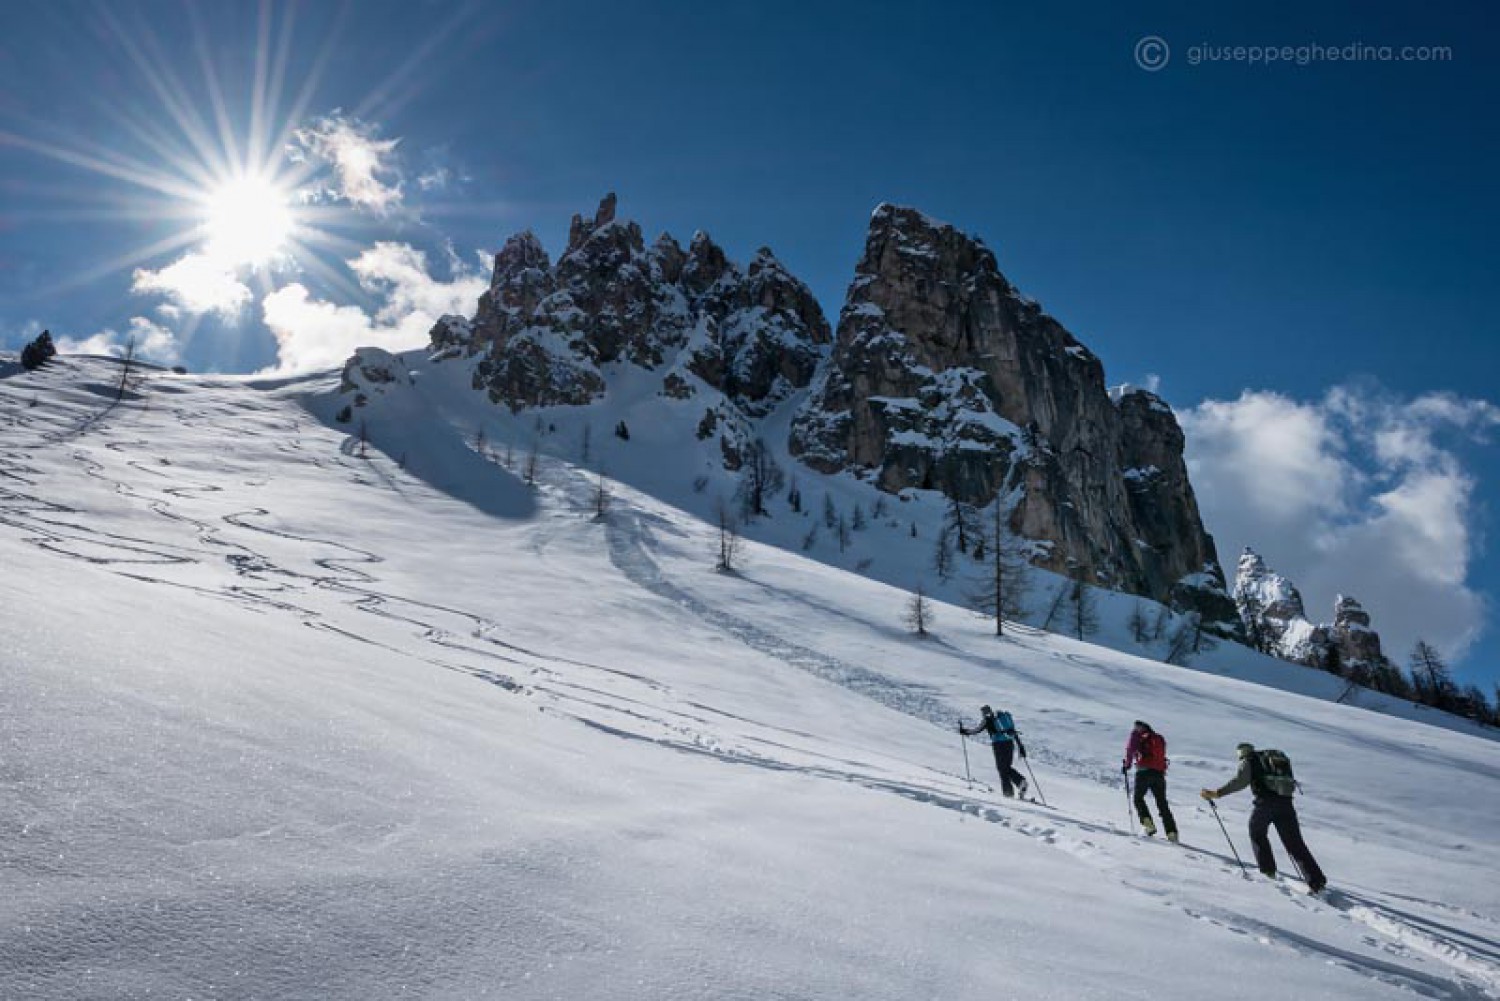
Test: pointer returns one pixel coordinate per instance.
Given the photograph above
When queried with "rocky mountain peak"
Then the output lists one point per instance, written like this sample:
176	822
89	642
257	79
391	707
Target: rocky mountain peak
1348	613
522	252
706	264
944	377
902	240
1276	623
669	258
545	330
1357	645
1263	592
581	229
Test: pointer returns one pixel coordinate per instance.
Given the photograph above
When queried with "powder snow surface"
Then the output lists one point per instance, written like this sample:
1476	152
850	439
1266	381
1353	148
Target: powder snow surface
281	721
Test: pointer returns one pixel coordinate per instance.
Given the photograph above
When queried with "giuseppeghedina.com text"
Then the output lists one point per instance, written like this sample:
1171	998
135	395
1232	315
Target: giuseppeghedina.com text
1313	53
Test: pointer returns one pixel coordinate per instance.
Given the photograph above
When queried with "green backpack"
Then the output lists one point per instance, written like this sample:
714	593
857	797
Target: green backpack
1274	773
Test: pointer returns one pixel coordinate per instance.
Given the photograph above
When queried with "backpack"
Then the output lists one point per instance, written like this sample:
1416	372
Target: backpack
1153	752
1273	773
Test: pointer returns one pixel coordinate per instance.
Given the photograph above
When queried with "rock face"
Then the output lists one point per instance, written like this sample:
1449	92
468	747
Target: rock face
546	330
368	373
1358	645
944	376
1275	619
1276	623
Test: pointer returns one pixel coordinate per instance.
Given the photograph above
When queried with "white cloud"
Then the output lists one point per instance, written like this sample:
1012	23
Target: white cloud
435	179
313	334
364	166
1358	493
195	283
153	342
399	272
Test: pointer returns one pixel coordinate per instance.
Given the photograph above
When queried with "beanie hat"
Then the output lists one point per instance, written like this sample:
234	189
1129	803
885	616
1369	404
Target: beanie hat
1245	749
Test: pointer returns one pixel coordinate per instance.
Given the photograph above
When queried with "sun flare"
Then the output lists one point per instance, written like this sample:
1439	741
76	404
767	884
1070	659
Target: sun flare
247	221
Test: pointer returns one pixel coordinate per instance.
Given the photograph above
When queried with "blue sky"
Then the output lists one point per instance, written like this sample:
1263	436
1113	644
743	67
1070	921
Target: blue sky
1300	257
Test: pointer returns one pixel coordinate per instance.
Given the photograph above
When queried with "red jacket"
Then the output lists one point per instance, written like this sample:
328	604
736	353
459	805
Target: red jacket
1146	750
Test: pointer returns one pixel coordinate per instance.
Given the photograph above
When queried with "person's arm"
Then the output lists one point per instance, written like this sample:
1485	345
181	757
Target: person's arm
1132	749
965	731
1240	781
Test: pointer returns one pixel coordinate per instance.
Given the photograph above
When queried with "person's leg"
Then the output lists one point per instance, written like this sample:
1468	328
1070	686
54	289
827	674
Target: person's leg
1016	778
1142	783
1159	790
1003	751
1290	832
1260	841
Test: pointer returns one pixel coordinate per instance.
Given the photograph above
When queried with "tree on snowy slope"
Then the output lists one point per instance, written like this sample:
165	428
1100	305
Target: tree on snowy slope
730	543
942	556
1085	617
1429	676
1001	592
1387	677
762	478
960	522
1074	608
127	368
38	352
1187	639
919	611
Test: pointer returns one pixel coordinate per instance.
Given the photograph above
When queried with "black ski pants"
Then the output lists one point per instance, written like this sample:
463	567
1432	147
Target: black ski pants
1149	780
1278	810
1005	753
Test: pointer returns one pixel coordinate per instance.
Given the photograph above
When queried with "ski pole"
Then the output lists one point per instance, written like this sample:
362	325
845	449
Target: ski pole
1215	807
1129	809
968	777
1035	784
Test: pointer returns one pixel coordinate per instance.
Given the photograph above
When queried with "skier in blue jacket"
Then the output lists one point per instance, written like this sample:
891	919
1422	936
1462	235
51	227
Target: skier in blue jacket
1006	742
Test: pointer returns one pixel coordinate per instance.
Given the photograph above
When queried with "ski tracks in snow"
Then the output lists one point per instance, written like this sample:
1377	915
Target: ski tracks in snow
1473	959
1409	932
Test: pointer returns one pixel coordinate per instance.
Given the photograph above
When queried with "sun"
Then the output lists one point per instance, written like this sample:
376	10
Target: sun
247	221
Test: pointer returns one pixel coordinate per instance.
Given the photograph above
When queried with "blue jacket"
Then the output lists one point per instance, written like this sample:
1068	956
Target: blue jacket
1000	727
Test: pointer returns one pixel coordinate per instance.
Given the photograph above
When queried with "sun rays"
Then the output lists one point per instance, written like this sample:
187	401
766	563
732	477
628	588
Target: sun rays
248	221
216	172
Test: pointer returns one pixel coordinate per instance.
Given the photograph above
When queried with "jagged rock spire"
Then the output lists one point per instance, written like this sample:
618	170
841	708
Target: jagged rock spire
944	376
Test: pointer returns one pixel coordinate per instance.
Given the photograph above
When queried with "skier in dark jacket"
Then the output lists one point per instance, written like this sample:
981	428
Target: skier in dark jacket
1147	751
1006	742
1271	807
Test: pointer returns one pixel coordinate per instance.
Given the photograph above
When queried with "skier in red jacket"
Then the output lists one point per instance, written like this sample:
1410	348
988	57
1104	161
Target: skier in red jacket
1147	751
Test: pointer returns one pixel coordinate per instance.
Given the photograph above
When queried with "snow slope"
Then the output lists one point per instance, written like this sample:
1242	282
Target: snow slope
284	722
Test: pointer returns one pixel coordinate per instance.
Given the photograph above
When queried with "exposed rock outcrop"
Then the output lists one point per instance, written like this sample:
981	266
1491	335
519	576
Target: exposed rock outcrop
1276	623
1358	646
545	330
370	372
944	376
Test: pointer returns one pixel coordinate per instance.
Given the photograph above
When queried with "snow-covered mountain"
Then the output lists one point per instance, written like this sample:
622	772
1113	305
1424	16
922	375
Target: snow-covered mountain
1276	623
942	378
301	709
